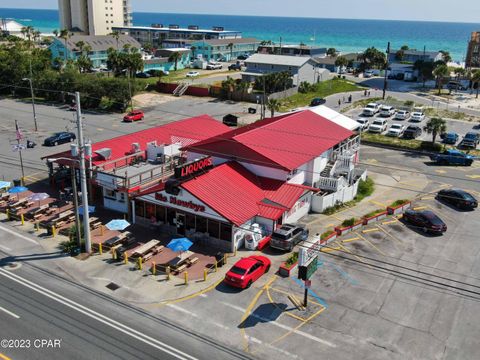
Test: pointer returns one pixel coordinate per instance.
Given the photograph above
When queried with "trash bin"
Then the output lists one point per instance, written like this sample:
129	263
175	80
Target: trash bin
252	110
17	182
220	258
75	251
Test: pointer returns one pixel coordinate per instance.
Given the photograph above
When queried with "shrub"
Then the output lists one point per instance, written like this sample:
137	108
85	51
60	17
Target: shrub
398	202
409	103
348	222
291	260
365	188
326	234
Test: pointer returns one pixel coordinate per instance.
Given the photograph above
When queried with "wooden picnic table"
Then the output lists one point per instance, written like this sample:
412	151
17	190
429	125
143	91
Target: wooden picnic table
118	239
62	218
145	248
180	259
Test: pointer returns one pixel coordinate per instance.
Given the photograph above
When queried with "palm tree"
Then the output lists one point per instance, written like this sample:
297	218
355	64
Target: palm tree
116	35
476	80
440	72
273	105
64	34
446	56
435	126
341	61
243	87
229	86
331	52
55	32
175	57
230	46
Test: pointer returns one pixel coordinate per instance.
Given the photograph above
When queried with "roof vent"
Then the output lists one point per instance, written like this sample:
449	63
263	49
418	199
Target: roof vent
105	153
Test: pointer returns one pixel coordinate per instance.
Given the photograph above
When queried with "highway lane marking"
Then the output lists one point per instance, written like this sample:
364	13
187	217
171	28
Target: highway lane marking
282	326
17	234
97	316
10	313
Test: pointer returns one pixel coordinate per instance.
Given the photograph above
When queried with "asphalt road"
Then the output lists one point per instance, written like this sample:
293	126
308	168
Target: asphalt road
75	322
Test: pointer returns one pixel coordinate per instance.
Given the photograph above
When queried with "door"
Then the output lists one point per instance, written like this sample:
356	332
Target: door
180	223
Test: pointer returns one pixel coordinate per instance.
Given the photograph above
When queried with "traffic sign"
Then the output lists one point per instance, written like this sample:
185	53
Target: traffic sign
306	272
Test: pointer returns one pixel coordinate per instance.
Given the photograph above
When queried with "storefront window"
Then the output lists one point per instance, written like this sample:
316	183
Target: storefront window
190	221
214	228
201	224
160	211
149	210
171	214
225	232
140	208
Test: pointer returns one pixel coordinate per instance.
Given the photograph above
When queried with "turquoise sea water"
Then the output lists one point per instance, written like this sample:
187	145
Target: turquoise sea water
343	34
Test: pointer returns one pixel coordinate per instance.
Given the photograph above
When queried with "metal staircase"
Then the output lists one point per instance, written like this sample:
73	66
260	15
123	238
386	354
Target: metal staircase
180	89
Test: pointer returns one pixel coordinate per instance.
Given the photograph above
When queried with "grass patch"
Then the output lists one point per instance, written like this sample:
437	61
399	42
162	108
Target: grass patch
360	104
322	90
456	115
348	222
401	143
373	213
326	234
292	259
365	188
398	202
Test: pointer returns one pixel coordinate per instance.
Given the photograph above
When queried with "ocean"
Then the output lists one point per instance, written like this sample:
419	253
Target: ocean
343	34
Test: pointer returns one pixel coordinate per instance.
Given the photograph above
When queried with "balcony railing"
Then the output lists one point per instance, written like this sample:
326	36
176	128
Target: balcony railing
331	184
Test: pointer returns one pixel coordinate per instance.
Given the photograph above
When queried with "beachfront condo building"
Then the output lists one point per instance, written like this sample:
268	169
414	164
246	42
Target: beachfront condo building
473	52
94	17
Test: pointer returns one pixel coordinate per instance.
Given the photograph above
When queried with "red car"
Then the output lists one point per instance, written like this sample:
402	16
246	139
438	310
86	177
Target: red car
246	271
426	220
134	115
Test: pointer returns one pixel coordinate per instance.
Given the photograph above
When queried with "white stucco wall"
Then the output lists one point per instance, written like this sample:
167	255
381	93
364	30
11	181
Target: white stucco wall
117	202
299	210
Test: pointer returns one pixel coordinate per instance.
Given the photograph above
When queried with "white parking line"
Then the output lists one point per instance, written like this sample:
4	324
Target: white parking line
285	327
17	234
5	248
98	316
9	313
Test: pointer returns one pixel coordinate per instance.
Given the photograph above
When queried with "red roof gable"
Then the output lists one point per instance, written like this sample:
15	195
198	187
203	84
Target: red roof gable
186	132
238	195
285	142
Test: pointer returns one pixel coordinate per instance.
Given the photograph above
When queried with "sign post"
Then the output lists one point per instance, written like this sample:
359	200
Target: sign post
308	263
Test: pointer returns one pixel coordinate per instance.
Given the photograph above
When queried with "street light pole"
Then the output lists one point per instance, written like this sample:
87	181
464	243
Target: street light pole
33	103
75	205
83	176
386	70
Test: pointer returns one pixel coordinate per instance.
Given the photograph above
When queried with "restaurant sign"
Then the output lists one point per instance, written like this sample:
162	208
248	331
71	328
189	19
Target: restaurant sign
193	168
178	202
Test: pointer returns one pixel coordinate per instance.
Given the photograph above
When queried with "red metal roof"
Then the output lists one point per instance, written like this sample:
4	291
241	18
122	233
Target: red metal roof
238	195
285	142
186	132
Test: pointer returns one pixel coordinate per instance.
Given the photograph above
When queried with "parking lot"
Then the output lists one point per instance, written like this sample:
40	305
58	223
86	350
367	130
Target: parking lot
459	127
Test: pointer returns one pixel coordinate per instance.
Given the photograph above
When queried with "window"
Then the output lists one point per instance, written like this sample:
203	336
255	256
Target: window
160	213
214	229
140	208
171	214
190	221
149	210
201	224
225	232
122	197
110	194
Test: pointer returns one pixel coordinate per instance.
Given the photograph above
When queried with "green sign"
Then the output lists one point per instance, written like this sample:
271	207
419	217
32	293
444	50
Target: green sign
306	272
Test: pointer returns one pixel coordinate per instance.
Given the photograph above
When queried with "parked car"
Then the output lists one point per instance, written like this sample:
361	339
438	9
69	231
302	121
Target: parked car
396	130
287	236
214	65
367	73
450	138
470	140
143	75
364	124
246	271
59	138
387	111
243	57
235	67
378	126
317	101
371	109
452	157
458	198
412	132
417	116
402	115
455	85
134	115
426	220
192	74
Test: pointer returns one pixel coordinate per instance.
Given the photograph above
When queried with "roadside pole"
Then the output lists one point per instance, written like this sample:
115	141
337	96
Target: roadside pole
305	296
386	70
83	177
75	204
19	147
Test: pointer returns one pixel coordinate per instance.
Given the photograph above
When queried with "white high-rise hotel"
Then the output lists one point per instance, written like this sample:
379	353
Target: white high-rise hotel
94	17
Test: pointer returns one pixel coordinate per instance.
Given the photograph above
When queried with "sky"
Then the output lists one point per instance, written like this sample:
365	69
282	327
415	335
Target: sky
429	10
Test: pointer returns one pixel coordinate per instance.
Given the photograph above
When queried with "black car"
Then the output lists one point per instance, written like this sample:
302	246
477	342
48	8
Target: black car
142	75
236	66
317	101
242	57
458	198
287	236
412	132
425	220
59	138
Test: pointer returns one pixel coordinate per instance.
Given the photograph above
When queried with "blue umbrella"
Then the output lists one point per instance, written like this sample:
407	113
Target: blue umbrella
17	189
90	209
117	224
180	244
5	184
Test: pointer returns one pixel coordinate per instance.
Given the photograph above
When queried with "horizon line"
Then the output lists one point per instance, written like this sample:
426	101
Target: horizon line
276	16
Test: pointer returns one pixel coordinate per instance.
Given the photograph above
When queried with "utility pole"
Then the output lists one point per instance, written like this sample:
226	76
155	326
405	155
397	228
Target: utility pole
33	96
75	204
83	176
19	147
263	99
386	70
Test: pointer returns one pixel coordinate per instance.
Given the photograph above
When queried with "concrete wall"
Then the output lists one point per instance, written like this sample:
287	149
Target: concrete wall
118	203
299	210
